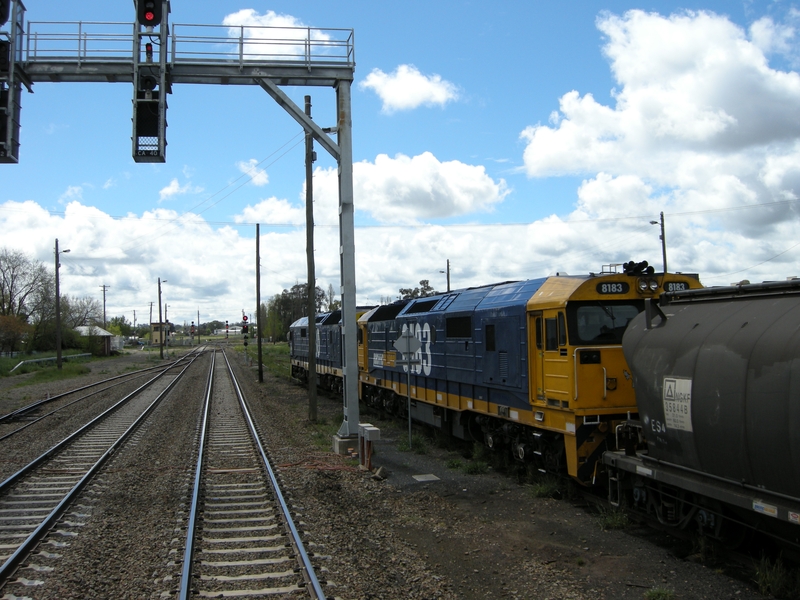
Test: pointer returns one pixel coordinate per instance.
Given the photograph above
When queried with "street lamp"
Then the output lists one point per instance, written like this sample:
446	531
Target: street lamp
663	239
448	274
58	308
160	322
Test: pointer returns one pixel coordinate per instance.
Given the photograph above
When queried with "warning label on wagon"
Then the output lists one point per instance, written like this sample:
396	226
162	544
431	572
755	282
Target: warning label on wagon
678	403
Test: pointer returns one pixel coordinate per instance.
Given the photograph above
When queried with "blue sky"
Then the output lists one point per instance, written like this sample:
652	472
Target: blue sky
514	138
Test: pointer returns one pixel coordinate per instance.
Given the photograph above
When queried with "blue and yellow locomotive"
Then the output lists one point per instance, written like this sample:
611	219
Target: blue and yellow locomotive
533	367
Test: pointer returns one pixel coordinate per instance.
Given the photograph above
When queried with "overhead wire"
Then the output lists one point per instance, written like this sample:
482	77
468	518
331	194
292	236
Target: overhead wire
192	211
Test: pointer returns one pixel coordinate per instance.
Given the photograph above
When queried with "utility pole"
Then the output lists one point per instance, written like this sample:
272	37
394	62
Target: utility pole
104	287
259	323
160	323
58	309
312	287
663	239
448	274
198	326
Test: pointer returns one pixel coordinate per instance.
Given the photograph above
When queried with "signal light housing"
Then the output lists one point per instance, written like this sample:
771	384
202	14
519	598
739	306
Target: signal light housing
148	12
5	11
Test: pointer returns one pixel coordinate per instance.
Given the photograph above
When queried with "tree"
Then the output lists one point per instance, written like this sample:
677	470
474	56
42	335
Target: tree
81	311
12	332
21	281
334	303
423	291
285	308
121	325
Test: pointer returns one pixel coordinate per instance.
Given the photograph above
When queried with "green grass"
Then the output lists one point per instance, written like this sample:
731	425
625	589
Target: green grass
51	373
419	444
322	432
659	594
612	519
548	486
8	363
775	578
274	356
476	467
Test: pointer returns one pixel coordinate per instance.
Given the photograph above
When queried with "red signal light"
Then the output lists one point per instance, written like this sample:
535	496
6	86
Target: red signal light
149	12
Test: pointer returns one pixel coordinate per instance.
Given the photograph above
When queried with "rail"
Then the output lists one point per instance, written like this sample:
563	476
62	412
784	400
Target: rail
96	41
31	534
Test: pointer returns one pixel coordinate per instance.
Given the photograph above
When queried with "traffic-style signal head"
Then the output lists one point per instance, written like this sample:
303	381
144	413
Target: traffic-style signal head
148	12
147	83
5	11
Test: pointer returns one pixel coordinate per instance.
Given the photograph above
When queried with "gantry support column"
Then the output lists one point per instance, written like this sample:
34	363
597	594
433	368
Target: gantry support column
347	257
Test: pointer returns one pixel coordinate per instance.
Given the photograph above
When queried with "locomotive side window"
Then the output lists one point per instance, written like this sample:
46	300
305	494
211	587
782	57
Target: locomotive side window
490	347
303	333
550	334
539	333
360	335
458	327
600	322
562	330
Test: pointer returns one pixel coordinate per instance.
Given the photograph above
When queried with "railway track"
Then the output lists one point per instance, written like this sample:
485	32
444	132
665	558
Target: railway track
35	497
241	539
20	419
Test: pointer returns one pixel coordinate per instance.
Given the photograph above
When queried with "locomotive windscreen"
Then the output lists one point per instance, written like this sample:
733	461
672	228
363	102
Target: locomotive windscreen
596	322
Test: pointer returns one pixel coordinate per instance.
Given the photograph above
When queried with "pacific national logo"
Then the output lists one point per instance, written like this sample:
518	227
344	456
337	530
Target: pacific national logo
677	399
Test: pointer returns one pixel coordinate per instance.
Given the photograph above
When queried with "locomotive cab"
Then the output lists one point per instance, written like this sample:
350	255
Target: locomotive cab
580	384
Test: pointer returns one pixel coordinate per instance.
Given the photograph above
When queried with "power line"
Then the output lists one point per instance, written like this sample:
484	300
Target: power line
411	225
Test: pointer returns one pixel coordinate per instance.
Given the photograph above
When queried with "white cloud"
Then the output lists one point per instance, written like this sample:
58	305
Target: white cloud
700	122
73	192
272	211
175	188
406	88
406	190
283	28
409	189
771	37
250	168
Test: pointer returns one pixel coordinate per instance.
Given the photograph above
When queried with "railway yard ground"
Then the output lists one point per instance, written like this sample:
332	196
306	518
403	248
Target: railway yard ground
426	528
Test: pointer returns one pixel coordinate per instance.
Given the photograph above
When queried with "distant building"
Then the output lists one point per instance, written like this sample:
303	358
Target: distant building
231	331
159	332
108	341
